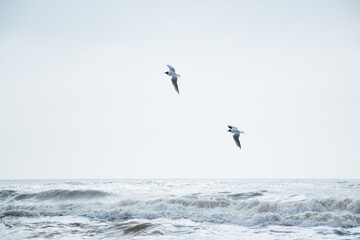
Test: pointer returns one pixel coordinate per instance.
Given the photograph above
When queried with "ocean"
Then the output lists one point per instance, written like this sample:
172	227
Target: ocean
180	209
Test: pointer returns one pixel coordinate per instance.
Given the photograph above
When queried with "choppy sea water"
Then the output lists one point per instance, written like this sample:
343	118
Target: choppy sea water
180	209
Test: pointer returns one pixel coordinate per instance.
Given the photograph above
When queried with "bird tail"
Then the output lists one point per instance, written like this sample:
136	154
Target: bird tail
179	75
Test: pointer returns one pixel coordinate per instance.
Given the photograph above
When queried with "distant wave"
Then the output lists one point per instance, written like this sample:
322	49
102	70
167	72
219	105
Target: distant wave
4	194
57	194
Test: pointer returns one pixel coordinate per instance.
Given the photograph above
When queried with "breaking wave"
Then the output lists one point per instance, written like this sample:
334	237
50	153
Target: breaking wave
246	209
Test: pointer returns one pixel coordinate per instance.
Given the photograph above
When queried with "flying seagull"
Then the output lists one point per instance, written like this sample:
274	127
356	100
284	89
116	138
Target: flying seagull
236	135
174	77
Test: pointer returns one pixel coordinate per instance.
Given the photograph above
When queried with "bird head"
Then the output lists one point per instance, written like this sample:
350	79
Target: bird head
167	73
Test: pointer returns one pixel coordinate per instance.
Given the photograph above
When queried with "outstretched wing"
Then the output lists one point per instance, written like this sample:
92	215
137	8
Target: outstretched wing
236	139
174	82
171	68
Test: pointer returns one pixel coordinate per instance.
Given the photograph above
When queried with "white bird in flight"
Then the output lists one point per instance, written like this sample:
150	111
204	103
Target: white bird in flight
174	77
236	135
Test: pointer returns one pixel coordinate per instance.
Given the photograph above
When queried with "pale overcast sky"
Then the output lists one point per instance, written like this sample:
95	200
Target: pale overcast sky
83	92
